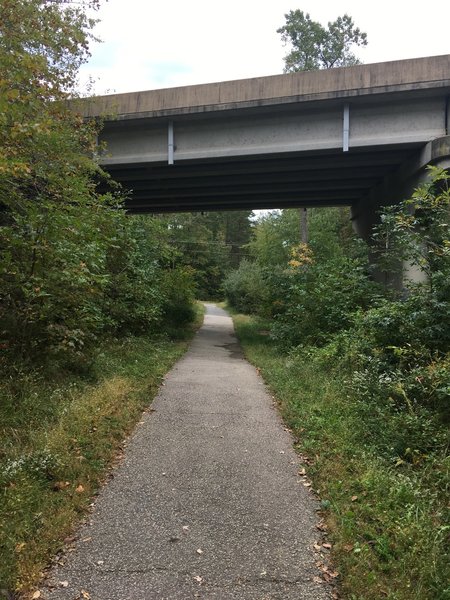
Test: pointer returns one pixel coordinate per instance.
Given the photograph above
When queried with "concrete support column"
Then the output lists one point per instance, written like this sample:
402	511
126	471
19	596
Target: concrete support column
400	185
395	188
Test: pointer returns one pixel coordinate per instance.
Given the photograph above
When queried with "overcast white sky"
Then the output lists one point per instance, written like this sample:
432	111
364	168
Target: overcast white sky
149	44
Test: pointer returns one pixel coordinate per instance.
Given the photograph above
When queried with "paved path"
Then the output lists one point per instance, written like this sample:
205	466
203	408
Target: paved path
207	503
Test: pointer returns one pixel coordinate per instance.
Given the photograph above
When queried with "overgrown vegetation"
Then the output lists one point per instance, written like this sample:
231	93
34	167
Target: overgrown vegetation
362	373
92	300
74	268
209	244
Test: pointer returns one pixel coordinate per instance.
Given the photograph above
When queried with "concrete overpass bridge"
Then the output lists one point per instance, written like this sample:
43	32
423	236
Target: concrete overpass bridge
358	136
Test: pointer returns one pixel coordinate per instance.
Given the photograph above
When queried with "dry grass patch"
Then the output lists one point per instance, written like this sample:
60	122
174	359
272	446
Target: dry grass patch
59	439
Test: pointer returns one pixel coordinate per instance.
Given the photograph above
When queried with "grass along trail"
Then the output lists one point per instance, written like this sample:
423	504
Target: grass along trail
386	522
60	437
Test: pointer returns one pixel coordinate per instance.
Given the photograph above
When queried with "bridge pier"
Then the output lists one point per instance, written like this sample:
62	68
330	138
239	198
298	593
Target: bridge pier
394	188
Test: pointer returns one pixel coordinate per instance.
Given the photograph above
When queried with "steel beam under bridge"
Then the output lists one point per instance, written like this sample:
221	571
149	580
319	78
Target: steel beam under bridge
303	139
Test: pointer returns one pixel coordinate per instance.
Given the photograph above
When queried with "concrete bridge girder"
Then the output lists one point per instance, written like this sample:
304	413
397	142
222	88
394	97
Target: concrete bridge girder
294	130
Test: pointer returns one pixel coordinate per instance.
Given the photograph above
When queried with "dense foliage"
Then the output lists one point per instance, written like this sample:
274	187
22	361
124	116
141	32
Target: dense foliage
73	266
209	244
324	297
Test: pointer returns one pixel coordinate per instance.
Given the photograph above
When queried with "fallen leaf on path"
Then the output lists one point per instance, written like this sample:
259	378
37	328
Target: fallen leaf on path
199	551
302	472
85	595
306	484
328	576
327	546
317	580
36	594
317	546
198	578
64	584
79	489
69	539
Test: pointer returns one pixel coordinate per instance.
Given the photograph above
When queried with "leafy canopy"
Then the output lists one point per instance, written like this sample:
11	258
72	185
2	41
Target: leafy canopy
73	267
316	47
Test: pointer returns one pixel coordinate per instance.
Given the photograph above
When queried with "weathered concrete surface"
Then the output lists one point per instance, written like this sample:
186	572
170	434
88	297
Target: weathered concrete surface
207	503
346	82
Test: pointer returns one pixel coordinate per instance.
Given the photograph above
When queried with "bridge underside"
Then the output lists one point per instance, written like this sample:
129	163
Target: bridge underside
279	180
358	136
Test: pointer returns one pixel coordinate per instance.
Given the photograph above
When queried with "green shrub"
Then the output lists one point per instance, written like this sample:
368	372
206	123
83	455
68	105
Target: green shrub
178	291
320	299
246	288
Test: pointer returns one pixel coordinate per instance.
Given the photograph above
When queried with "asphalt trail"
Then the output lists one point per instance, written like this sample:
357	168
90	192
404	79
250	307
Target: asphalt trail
207	502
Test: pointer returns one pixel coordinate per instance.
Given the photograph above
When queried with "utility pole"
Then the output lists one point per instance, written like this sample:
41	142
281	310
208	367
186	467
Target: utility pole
303	226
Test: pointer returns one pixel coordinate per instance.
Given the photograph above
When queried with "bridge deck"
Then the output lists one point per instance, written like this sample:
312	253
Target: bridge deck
347	82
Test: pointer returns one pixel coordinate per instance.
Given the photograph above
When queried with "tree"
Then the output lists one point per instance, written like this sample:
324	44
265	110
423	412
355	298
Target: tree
73	265
316	47
211	243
